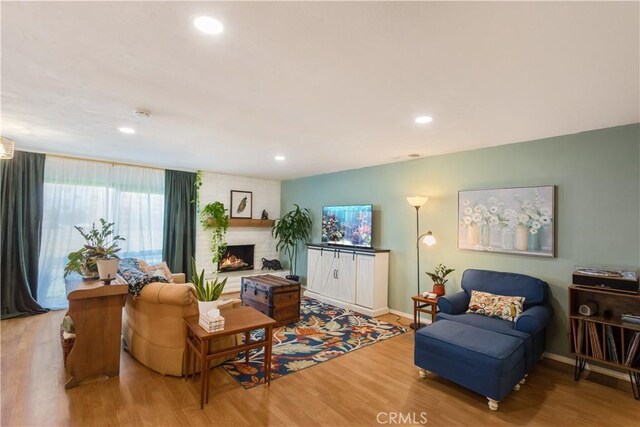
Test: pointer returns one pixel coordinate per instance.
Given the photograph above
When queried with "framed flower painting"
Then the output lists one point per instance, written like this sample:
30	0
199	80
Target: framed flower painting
509	220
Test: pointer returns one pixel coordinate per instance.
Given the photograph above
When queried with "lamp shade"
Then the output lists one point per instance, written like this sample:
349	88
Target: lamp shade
417	201
6	148
429	240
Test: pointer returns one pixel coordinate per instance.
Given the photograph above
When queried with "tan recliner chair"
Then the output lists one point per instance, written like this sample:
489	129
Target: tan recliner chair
153	329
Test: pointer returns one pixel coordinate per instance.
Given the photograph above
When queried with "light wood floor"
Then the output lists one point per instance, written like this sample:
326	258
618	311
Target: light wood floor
349	390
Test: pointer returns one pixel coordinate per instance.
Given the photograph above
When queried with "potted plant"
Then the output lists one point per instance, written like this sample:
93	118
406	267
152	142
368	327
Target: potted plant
292	228
438	277
207	291
99	252
214	217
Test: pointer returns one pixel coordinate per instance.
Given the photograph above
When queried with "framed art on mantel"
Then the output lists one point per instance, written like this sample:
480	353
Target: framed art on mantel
509	220
241	204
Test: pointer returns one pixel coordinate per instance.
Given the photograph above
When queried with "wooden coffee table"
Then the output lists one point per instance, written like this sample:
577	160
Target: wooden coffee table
236	320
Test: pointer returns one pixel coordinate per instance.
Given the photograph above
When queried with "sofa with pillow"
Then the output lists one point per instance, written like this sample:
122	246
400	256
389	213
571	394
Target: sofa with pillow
488	336
152	326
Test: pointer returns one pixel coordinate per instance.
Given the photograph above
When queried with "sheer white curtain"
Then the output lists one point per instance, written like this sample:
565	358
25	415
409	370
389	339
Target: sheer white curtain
80	192
138	201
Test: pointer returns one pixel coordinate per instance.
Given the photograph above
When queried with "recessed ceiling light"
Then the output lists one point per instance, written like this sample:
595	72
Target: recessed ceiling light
423	120
127	130
208	25
280	158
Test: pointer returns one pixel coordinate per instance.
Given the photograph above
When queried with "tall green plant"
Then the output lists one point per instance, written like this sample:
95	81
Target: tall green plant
100	243
293	227
214	217
209	290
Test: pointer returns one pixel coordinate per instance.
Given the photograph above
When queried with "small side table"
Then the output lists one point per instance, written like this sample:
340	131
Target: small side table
423	305
236	320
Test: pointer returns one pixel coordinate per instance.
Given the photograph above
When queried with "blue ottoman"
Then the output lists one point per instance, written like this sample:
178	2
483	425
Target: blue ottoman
489	363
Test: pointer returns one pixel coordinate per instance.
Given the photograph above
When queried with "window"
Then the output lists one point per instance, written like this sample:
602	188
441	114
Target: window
80	192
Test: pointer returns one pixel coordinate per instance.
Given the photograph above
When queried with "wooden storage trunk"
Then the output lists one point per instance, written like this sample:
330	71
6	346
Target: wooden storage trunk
274	296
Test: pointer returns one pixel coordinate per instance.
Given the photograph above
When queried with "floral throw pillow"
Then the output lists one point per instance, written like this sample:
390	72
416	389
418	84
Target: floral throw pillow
161	269
497	306
129	270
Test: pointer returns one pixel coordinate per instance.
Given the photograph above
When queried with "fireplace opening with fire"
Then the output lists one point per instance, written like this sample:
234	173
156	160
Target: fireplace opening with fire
237	257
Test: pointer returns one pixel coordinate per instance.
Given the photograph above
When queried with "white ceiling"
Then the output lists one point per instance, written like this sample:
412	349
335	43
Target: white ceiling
332	86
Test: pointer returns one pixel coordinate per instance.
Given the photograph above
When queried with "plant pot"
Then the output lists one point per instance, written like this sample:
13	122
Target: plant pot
438	290
205	306
107	269
293	277
87	273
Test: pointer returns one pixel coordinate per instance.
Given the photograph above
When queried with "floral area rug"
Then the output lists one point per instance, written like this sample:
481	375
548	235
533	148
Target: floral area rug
324	332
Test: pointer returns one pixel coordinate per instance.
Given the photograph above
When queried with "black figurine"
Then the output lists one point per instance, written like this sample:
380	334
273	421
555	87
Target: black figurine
265	215
271	264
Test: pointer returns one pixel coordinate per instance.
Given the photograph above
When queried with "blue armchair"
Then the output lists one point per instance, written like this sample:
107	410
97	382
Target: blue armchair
487	355
530	325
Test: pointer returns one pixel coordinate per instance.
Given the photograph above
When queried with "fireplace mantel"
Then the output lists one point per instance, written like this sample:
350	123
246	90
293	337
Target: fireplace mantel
257	223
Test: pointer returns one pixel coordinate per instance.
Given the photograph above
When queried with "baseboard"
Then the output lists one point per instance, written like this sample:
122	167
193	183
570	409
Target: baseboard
409	316
594	368
402	314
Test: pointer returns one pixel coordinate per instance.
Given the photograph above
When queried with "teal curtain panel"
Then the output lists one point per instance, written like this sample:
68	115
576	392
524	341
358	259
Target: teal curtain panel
21	196
180	213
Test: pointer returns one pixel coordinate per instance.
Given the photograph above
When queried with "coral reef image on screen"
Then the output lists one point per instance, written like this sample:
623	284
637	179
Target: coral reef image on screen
347	225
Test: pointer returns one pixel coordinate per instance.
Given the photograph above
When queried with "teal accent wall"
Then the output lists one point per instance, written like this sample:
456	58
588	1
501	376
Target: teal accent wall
597	176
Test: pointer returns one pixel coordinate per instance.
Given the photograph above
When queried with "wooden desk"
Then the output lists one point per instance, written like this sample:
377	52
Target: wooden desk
96	310
236	320
424	305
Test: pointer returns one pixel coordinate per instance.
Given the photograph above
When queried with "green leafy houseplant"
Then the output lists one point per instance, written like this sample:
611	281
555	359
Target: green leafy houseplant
209	290
214	217
289	230
101	243
438	277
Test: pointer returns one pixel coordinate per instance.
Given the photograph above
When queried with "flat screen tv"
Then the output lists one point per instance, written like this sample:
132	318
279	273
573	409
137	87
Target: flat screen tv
347	225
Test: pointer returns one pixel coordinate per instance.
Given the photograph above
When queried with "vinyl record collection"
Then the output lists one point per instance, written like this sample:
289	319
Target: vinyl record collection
587	341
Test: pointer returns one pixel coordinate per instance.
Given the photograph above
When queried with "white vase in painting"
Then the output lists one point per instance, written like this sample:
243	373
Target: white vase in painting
522	238
508	235
473	235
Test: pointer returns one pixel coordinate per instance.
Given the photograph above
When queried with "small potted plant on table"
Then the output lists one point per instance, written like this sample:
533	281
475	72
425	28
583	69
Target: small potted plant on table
97	258
207	291
438	277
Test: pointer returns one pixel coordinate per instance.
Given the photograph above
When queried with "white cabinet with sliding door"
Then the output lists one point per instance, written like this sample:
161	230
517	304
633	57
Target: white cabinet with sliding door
351	278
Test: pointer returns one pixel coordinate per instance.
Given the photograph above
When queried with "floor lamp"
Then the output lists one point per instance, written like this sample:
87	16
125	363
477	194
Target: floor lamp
417	202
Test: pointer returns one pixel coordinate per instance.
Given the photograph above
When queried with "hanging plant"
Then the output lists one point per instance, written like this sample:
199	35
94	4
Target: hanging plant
214	217
197	184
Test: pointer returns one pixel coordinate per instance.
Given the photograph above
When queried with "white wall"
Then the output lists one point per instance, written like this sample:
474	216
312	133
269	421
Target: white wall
266	195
